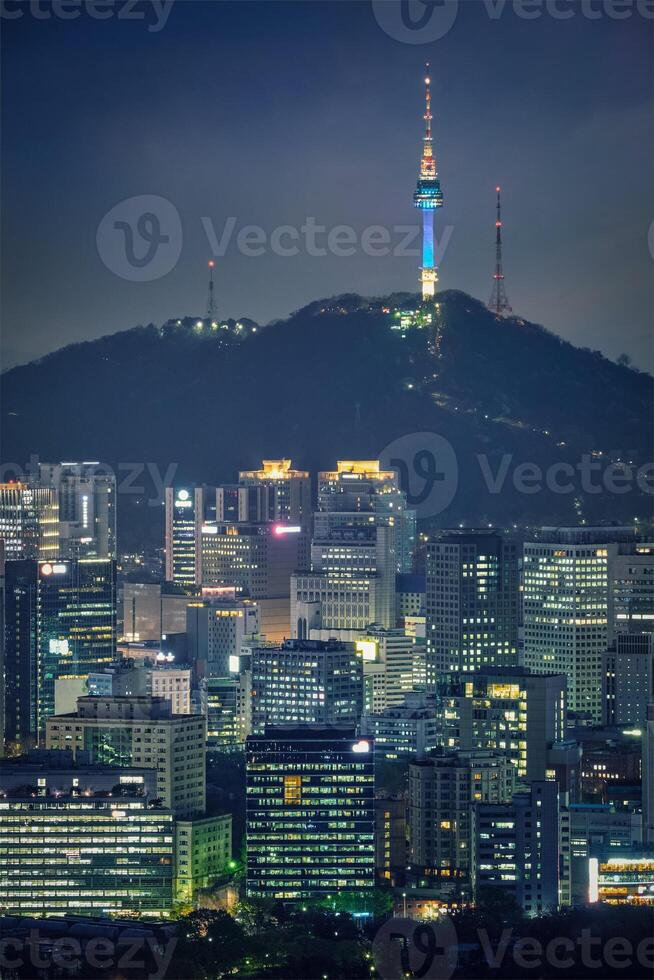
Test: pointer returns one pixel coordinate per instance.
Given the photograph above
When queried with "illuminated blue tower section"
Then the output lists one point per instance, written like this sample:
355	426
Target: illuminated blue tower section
428	197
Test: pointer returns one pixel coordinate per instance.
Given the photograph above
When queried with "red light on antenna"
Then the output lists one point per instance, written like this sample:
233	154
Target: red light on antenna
498	189
211	263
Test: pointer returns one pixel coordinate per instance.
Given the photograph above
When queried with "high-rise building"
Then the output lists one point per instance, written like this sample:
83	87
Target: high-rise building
351	583
518	848
228	708
566	608
86	495
648	776
258	560
29	521
442	794
388	654
427	197
306	682
276	492
75	623
60	622
184	518
628	679
632	588
472	602
20	668
141	731
216	627
3	685
310	814
359	493
508	710
83	840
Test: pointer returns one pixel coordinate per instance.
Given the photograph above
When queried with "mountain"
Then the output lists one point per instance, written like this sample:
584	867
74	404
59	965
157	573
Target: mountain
342	378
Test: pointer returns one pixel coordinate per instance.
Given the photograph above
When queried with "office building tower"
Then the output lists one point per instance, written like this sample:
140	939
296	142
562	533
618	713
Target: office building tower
29	521
276	492
310	814
632	588
628	679
75	623
508	710
258	560
518	849
20	674
388	655
566	609
472	596
203	852
83	840
141	731
648	776
86	495
3	683
216	627
228	708
442	796
351	583
60	622
306	682
359	493
184	519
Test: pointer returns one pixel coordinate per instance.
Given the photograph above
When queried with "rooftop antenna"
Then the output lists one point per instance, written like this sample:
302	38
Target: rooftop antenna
499	303
211	303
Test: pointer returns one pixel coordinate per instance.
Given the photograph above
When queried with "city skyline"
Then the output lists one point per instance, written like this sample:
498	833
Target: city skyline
338	662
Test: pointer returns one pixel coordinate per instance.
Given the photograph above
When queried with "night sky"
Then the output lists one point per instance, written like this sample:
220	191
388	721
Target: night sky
270	113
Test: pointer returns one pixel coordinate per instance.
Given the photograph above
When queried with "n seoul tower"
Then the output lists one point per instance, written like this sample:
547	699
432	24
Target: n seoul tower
428	197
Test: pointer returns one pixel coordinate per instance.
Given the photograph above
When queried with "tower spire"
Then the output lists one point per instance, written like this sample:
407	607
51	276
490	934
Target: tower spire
211	302
427	198
499	303
428	115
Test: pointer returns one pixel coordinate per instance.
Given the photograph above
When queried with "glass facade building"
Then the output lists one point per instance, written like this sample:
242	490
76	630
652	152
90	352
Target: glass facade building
76	623
310	814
